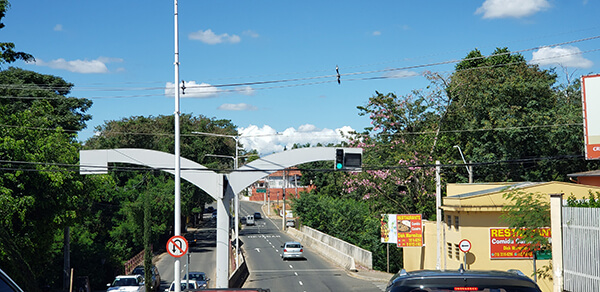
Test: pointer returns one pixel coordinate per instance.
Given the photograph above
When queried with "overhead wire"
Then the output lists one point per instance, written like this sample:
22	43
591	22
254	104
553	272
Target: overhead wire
332	77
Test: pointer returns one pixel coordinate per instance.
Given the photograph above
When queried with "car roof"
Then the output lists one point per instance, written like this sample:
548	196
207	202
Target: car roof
293	242
439	275
127	276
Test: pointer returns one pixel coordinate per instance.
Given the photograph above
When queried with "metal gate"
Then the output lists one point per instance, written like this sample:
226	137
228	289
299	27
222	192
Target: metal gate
581	249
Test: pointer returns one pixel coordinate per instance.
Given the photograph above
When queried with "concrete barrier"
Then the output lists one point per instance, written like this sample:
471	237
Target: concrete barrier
340	251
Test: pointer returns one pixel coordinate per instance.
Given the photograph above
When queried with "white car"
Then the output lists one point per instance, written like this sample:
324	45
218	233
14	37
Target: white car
292	249
250	220
192	285
129	283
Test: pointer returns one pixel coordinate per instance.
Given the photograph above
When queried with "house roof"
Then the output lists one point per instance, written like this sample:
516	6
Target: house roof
585	173
490	197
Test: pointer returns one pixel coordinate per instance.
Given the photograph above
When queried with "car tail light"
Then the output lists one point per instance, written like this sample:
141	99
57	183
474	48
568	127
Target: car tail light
284	250
301	250
466	289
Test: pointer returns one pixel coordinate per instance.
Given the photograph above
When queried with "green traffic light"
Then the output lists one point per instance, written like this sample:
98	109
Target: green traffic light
338	166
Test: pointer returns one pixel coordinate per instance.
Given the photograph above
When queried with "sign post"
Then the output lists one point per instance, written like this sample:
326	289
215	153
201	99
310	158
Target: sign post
464	246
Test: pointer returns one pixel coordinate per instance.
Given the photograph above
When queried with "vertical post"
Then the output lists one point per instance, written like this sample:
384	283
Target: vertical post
237	210
67	257
388	256
438	212
177	231
470	173
557	241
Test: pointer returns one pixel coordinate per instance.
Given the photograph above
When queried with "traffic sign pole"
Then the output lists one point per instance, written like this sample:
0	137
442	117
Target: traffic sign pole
464	246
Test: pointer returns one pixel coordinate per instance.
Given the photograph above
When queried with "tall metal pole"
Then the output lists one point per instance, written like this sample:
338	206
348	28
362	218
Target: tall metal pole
237	209
438	213
177	265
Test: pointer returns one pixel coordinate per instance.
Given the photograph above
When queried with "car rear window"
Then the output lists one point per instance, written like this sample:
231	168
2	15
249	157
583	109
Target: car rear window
293	246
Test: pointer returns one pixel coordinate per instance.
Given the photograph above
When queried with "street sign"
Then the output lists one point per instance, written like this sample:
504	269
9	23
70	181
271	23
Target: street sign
177	246
261	190
464	246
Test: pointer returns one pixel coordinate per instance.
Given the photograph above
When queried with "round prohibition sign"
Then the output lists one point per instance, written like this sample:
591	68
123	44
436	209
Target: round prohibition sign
177	246
464	245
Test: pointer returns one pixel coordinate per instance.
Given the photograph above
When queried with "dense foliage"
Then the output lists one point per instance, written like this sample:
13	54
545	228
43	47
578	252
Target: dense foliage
38	197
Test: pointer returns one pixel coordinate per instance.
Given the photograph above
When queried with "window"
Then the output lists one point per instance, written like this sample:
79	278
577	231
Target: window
449	249
456	222
457	251
449	221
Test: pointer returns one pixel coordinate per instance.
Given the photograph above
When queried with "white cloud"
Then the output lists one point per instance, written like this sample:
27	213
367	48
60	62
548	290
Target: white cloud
267	140
376	33
237	107
251	33
209	37
400	74
58	27
511	8
193	90
565	56
204	90
80	66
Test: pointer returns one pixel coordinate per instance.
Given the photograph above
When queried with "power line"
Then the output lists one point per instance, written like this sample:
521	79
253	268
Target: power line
331	77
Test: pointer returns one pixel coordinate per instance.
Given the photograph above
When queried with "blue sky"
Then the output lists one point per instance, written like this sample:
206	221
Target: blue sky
120	54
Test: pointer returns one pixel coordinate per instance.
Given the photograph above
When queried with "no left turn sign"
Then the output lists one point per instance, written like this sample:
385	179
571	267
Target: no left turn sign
177	246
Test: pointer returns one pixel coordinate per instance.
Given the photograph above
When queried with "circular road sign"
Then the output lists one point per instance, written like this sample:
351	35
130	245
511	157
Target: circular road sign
464	245
177	246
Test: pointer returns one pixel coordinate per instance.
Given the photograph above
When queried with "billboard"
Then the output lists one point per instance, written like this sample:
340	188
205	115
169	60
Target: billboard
504	243
388	228
590	93
410	230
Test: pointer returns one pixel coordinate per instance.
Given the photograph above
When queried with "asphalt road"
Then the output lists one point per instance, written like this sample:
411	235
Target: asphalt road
262	244
201	257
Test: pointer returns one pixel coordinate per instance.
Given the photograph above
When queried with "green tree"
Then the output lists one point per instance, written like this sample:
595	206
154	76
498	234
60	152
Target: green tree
503	109
38	195
529	213
7	50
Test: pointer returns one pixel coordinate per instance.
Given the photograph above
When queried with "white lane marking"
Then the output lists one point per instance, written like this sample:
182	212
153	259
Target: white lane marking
301	284
296	274
257	249
291	267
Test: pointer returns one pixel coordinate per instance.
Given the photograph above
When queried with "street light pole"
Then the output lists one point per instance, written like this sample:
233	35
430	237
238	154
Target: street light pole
468	167
177	231
236	196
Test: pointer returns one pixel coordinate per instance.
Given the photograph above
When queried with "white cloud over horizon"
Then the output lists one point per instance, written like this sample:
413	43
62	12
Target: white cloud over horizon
567	56
237	107
267	140
209	37
204	90
80	66
511	8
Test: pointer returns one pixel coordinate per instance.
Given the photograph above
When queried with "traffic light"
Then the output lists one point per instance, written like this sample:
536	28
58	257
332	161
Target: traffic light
339	159
348	159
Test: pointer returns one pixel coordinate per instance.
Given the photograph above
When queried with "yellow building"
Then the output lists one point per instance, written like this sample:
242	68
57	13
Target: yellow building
472	212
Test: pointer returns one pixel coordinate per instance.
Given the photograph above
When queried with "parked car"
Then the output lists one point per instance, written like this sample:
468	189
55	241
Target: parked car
128	283
257	215
191	238
290	223
209	209
250	220
292	249
7	284
200	278
191	285
214	215
139	270
461	280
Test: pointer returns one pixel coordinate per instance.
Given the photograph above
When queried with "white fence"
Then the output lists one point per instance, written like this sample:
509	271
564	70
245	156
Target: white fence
581	249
